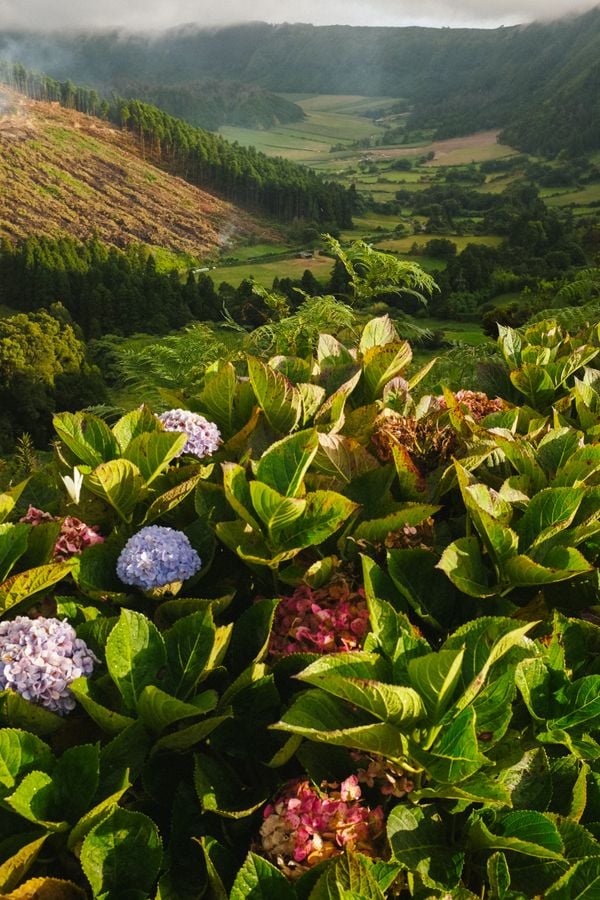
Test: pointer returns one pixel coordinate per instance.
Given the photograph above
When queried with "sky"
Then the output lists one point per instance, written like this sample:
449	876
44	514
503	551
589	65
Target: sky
153	14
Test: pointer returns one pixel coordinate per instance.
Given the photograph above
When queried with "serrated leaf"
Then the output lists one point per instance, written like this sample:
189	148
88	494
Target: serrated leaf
522	831
13	544
455	755
151	453
18	712
189	644
275	511
420	843
87	436
260	880
280	401
109	721
158	710
24	585
94	816
285	463
342	458
20	753
135	653
120	483
14	869
436	676
35	800
348	878
389	702
122	852
133	424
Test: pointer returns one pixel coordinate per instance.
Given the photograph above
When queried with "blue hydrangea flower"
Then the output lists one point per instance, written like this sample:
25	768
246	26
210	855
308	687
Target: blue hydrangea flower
39	658
157	556
203	436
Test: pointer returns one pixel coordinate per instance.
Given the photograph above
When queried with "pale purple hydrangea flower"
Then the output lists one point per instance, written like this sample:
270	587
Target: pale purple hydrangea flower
204	437
39	658
157	556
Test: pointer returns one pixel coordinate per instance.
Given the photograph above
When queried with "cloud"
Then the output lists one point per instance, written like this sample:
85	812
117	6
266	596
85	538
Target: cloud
158	14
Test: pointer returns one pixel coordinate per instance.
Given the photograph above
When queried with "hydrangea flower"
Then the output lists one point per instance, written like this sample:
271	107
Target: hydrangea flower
156	557
478	404
74	534
204	437
305	825
39	658
326	620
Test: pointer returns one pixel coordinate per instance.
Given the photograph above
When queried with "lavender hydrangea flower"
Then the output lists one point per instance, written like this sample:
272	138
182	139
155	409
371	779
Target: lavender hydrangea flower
157	556
39	658
204	437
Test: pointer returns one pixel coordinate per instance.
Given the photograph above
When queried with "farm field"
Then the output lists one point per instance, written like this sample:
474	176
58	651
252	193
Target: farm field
265	272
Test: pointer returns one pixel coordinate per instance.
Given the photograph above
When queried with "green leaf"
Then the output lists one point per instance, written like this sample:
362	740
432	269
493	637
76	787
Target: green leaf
221	791
312	398
342	458
151	453
24	585
158	710
529	781
35	800
21	713
332	411
416	575
20	753
455	755
549	512
286	462
87	436
258	879
382	364
133	424
376	333
251	633
348	878
237	492
170	499
388	702
135	653
320	717
498	875
190	736
189	644
120	483
581	882
13	544
276	395
477	789
535	383
109	721
122	852
420	843
463	564
325	512
436	676
582	702
94	816
406	514
14	869
522	831
76	779
560	563
275	511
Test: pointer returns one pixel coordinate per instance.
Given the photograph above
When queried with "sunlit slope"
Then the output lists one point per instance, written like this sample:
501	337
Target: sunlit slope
64	172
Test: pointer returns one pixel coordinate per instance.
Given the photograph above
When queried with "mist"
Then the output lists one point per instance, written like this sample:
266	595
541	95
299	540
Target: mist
151	15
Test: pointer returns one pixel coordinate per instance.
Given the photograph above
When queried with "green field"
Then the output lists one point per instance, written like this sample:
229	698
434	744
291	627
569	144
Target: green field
264	273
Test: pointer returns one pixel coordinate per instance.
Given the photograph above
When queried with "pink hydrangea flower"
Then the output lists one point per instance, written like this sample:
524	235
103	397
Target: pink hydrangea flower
305	825
74	534
331	619
379	772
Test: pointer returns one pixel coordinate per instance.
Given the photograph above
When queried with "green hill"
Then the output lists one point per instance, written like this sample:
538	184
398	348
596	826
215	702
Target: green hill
539	82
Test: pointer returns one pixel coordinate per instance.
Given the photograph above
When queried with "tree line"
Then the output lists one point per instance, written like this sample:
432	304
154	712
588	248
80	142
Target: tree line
242	175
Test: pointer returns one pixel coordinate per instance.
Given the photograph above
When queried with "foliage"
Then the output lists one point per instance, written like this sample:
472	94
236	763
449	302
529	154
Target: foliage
372	669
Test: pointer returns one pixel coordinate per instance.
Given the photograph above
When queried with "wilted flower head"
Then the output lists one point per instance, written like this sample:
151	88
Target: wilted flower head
74	534
377	771
305	825
39	658
478	404
326	620
204	437
157	556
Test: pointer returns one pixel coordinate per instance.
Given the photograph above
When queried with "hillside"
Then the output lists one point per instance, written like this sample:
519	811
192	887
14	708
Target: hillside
209	103
64	172
537	81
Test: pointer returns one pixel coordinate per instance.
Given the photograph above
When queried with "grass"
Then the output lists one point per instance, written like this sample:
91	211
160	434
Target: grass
265	273
404	244
590	193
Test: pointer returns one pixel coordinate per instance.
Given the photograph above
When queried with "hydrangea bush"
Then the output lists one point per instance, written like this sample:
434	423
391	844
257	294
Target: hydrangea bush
379	674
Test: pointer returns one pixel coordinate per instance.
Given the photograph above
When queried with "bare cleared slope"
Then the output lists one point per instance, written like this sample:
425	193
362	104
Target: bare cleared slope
65	172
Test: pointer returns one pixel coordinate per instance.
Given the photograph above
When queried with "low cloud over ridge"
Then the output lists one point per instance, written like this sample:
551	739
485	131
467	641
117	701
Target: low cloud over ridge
158	14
